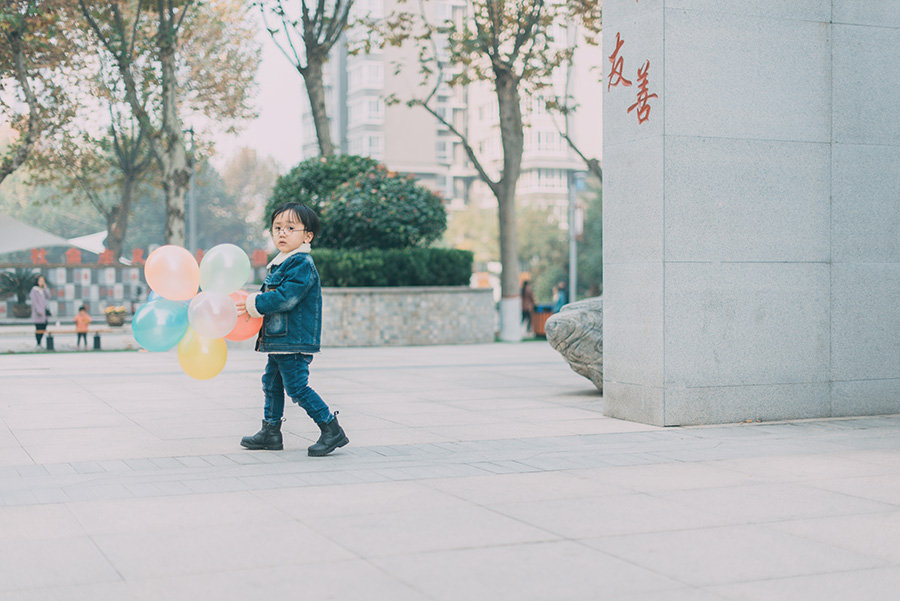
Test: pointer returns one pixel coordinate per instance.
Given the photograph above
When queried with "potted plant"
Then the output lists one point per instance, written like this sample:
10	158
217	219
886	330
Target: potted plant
18	283
115	316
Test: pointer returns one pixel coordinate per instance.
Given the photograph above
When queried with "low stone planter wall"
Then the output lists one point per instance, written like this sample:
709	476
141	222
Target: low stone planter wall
413	315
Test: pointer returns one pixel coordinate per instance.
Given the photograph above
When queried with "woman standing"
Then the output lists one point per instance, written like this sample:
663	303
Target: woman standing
40	295
528	305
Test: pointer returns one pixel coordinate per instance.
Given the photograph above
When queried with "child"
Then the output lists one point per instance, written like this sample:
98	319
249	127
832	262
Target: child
290	303
81	325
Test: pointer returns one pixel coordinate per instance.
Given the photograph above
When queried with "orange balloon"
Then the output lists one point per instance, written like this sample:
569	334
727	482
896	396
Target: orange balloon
172	272
246	326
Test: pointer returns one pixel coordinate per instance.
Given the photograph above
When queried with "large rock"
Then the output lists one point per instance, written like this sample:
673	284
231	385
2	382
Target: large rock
576	332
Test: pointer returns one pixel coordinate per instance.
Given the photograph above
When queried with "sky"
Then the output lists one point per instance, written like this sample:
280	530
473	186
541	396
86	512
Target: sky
279	99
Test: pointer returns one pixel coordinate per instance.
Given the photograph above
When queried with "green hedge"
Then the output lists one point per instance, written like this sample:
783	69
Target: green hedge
394	267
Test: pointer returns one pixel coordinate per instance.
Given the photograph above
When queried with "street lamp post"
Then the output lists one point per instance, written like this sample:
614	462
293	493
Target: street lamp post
576	183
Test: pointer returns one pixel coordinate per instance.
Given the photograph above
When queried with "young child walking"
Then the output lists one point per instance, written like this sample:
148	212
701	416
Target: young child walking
82	320
290	303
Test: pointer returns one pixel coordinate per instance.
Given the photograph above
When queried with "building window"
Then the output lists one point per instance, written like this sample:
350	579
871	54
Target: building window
365	75
375	111
375	145
442	150
365	111
543	141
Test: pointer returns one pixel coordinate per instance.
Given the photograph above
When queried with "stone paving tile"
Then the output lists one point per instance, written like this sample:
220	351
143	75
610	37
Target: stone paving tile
400	461
696	556
846	585
531	504
541	570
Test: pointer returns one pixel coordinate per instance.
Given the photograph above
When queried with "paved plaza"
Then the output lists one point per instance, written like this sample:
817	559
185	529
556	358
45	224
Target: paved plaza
484	472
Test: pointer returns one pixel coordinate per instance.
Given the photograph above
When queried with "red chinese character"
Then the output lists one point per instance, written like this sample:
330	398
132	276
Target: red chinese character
259	258
615	74
39	256
642	106
137	256
73	255
106	257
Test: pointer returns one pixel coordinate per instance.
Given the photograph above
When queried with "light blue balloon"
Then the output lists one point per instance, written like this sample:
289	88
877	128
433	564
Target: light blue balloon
154	296
160	324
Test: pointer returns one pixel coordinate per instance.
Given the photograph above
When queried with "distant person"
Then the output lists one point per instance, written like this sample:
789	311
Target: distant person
40	297
528	304
561	297
290	304
82	320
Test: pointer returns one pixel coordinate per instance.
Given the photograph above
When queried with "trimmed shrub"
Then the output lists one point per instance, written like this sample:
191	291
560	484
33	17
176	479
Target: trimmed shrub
313	181
394	267
382	209
376	224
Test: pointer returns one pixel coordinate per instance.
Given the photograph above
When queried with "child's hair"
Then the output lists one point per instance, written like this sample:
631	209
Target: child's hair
82	308
307	216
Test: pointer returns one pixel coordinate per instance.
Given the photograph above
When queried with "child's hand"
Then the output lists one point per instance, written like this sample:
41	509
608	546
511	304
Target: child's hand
241	307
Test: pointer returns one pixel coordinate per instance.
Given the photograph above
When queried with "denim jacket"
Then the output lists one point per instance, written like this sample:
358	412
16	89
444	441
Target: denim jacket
290	302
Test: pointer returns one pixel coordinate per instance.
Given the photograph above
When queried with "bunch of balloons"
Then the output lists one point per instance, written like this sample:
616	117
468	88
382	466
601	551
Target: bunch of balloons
199	323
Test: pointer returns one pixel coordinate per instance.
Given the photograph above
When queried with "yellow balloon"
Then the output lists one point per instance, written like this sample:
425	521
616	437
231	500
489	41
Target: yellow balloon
202	358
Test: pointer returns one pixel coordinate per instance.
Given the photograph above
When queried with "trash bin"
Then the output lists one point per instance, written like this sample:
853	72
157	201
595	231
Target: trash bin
539	318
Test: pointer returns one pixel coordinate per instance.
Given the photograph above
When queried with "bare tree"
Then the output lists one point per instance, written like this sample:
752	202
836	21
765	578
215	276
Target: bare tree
102	170
565	105
306	41
509	45
148	41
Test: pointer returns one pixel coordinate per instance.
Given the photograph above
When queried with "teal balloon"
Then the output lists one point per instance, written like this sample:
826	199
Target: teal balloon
160	324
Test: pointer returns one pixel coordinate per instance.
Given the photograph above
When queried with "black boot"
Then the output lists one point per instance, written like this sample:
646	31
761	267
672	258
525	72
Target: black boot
332	437
268	438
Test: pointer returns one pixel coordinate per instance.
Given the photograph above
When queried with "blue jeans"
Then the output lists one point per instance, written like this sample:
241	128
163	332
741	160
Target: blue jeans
290	373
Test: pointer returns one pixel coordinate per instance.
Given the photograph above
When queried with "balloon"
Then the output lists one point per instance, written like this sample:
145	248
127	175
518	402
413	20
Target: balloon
224	268
172	272
160	324
201	358
212	314
154	296
246	326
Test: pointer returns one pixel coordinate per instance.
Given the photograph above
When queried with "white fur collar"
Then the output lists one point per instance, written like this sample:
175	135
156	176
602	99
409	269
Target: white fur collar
282	257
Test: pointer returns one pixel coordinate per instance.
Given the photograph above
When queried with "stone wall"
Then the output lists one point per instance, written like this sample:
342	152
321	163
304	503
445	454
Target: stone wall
407	316
751	213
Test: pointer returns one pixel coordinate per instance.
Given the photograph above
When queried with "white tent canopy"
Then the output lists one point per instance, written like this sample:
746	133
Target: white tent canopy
91	242
15	236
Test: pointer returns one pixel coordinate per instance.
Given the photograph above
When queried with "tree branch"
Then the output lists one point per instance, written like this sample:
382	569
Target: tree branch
470	152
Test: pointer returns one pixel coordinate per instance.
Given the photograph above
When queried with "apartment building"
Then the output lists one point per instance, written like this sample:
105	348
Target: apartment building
410	140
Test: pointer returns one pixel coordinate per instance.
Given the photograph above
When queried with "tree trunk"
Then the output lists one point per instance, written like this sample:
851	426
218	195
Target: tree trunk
315	89
512	138
172	155
175	181
117	219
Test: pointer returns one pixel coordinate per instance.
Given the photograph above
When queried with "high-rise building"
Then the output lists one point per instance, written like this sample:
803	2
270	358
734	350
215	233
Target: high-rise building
408	139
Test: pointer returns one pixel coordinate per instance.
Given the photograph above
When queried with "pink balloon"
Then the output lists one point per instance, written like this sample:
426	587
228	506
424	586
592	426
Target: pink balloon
246	326
212	314
172	272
